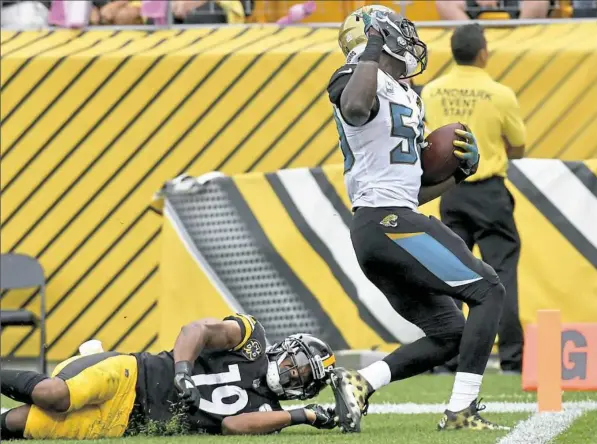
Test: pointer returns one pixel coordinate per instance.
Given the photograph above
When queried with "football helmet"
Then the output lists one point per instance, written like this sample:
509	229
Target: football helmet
299	366
401	39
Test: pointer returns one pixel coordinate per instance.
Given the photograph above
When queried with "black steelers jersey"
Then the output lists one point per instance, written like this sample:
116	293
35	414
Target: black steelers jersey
230	382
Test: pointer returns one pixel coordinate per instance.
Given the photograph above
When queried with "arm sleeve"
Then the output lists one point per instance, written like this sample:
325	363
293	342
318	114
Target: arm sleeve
513	128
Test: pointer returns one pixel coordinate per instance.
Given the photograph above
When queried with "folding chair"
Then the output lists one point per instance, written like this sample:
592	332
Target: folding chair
22	271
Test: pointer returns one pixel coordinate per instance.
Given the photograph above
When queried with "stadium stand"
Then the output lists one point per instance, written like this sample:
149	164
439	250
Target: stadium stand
162	12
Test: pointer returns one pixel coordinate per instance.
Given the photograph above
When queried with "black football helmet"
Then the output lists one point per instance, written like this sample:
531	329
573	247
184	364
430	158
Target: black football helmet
299	366
400	35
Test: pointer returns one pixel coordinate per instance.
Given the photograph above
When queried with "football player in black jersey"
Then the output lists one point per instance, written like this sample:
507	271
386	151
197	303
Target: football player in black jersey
219	378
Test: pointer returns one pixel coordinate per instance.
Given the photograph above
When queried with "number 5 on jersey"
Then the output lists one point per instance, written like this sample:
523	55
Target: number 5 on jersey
405	152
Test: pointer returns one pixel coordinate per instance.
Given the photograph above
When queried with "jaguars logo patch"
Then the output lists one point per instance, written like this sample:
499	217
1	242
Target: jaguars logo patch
252	350
391	220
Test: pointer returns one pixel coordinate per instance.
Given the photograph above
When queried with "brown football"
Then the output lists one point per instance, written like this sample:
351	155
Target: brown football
438	160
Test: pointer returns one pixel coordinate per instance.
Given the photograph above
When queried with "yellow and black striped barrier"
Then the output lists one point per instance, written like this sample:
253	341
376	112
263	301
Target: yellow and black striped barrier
92	123
295	226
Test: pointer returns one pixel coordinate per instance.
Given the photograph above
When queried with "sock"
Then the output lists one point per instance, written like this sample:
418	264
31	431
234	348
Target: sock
377	374
5	433
18	385
466	390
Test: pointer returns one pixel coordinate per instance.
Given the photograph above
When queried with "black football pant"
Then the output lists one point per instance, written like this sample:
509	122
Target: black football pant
482	213
420	265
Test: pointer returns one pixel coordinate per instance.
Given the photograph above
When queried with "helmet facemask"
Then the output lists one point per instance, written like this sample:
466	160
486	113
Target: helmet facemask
402	42
294	372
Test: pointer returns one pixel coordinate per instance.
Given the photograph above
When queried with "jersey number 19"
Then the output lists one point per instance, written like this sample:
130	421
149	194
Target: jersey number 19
216	405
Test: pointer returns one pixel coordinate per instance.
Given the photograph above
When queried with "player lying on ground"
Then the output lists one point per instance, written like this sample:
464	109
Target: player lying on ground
416	261
218	379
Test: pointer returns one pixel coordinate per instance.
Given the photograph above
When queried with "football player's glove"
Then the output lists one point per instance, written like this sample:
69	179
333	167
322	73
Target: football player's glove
468	153
187	392
324	418
370	21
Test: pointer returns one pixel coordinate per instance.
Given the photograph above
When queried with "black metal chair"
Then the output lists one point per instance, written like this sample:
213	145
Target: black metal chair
19	271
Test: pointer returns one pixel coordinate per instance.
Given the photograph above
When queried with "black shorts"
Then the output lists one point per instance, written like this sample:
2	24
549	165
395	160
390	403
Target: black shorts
404	252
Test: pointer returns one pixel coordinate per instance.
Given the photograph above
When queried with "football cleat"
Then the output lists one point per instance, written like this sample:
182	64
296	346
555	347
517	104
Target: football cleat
350	392
468	418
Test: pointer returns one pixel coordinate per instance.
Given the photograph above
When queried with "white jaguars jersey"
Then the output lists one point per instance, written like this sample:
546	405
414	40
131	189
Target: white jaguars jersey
382	162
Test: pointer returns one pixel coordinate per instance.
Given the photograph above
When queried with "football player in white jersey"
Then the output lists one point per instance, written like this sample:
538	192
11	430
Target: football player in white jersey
415	260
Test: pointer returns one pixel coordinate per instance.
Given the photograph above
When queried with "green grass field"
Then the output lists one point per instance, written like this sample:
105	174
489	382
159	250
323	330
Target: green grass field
412	428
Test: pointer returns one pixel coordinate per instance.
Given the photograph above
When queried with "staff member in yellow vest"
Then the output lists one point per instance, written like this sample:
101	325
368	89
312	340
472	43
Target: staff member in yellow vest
480	210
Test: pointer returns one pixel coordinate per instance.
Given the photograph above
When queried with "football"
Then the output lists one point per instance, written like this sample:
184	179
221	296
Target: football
438	160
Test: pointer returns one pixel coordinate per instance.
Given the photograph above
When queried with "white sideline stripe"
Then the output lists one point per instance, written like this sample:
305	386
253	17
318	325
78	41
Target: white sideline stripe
558	183
323	219
492	407
541	428
411	408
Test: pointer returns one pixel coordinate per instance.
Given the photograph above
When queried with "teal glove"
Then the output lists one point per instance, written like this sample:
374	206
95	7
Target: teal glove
371	21
468	153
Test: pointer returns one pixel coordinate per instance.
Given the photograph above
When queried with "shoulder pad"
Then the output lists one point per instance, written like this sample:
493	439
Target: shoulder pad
343	71
253	342
338	82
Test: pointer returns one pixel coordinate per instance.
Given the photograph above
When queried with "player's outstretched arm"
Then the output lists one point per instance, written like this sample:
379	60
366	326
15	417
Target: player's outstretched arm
260	423
431	192
256	423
